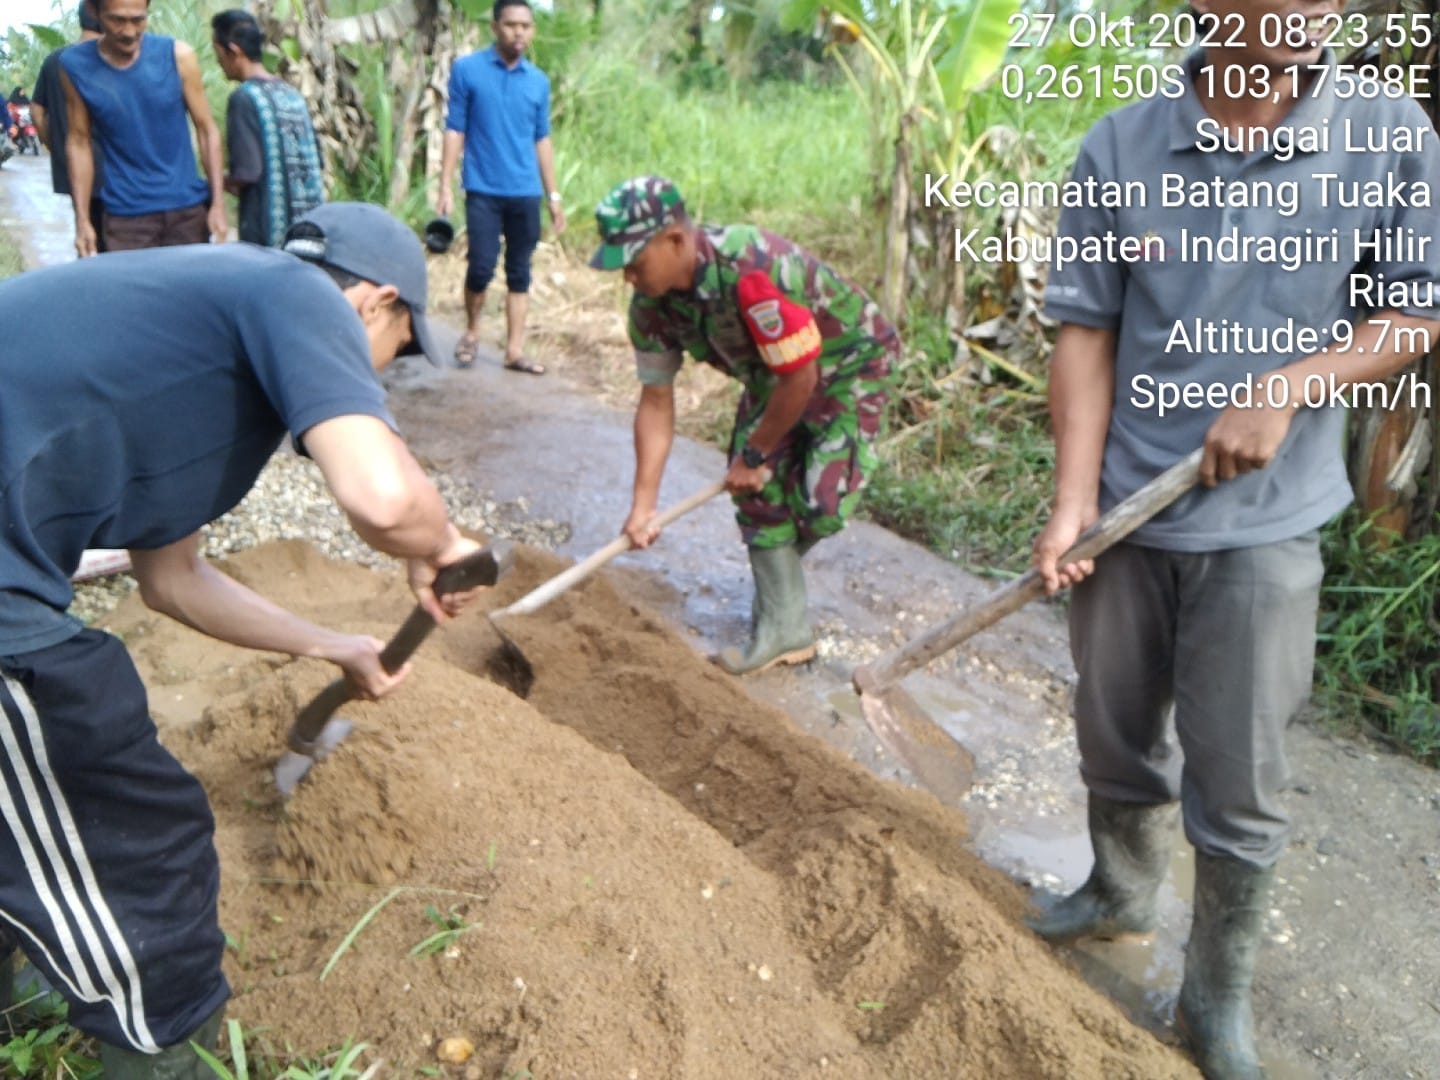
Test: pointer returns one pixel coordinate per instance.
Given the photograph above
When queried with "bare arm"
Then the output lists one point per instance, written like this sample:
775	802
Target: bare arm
1082	390
654	434
176	581
545	156
80	163
782	412
390	501
451	149
207	135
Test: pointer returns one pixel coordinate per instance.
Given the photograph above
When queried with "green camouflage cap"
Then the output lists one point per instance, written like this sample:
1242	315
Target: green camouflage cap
630	215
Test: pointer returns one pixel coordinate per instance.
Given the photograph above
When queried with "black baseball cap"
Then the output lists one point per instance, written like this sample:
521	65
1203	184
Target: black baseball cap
371	243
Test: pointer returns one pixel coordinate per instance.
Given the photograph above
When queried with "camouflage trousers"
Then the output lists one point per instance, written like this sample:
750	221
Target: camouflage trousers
818	468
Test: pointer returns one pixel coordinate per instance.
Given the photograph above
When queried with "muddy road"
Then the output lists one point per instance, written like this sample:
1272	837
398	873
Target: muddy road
1349	980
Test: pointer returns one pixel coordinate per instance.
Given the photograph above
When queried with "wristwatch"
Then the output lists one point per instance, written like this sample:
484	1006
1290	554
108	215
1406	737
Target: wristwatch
554	196
752	457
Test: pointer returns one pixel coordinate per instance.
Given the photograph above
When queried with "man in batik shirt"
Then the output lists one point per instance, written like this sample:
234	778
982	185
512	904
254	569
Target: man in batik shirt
275	165
814	355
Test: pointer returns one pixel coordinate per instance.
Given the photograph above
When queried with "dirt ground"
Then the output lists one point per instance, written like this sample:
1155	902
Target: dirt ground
662	877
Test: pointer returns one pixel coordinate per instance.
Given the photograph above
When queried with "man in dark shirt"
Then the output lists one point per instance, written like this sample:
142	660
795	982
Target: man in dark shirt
130	421
275	165
47	108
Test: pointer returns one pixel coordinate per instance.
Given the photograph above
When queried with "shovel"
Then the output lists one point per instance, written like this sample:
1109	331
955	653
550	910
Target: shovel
939	762
510	667
317	730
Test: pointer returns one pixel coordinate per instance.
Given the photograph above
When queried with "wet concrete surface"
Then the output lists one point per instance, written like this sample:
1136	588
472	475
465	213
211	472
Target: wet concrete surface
1349	983
31	212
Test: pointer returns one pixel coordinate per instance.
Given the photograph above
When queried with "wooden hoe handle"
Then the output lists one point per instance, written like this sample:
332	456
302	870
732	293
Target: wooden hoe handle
1118	523
538	598
481	568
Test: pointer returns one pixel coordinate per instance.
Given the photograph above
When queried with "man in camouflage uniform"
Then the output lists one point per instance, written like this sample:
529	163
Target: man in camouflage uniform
814	355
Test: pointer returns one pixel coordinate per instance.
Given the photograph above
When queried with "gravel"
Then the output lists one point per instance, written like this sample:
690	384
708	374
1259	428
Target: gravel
291	502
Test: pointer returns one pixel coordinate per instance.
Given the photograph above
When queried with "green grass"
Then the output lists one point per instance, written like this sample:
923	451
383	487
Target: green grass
1378	662
972	483
451	926
737	154
10	263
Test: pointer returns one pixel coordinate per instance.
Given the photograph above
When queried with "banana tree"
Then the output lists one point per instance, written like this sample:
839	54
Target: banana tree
888	52
972	56
416	40
1395	452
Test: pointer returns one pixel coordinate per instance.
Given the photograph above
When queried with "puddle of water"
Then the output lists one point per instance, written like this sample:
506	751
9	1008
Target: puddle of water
1064	858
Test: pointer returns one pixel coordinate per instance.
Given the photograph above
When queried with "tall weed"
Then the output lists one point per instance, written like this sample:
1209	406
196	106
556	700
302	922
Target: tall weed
1378	662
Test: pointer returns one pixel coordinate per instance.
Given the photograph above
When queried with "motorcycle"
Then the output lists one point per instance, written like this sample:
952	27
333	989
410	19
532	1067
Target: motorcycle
7	148
22	130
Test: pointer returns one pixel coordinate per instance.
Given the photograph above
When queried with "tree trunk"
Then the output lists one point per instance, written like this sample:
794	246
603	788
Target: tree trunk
897	226
947	293
409	67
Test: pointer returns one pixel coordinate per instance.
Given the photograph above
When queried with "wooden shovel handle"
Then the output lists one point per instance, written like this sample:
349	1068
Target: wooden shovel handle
481	568
538	598
1118	523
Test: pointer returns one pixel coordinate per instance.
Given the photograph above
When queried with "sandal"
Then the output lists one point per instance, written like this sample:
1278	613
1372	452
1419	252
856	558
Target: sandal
465	350
529	367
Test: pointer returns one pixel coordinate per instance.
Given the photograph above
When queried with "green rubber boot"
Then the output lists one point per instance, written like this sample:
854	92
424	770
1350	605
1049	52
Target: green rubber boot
1133	843
1214	1014
178	1062
780	631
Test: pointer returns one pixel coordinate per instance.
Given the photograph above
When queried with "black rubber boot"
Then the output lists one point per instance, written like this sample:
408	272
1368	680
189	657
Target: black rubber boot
7	981
1214	1014
9	957
1133	843
178	1062
780	629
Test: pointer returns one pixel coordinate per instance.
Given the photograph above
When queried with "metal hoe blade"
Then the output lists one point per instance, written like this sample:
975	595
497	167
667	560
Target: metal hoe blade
317	730
293	765
942	765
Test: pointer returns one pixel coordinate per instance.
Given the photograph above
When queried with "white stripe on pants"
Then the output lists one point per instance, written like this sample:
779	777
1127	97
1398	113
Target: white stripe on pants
28	808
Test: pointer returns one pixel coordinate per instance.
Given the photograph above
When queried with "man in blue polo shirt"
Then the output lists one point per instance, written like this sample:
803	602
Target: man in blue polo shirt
129	421
499	116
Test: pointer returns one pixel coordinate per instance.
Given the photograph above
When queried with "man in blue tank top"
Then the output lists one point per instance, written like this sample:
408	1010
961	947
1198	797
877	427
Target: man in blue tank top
131	90
130	420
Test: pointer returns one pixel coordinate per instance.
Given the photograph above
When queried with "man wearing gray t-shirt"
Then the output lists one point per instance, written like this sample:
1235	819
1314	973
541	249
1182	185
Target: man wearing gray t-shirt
1254	236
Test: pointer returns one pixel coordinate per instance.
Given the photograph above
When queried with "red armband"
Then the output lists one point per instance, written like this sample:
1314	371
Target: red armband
783	331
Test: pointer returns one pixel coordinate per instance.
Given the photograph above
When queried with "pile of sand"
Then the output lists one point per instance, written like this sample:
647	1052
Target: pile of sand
656	876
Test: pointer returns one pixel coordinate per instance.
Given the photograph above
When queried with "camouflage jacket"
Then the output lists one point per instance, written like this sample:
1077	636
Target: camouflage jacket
708	321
